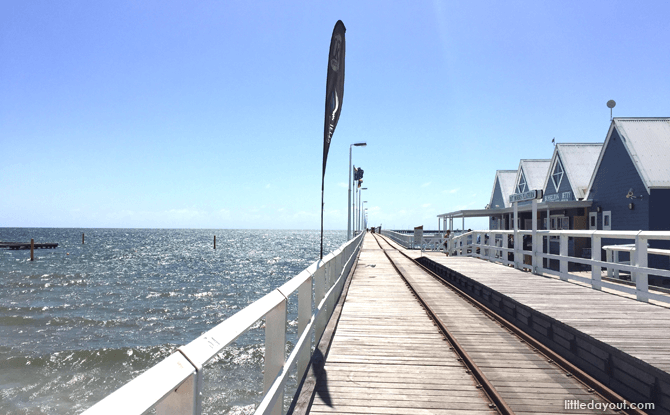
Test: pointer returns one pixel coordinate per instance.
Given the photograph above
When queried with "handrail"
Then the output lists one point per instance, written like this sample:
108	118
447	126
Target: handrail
429	241
494	245
406	240
174	385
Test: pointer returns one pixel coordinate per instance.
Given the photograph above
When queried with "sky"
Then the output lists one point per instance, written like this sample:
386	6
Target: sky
209	114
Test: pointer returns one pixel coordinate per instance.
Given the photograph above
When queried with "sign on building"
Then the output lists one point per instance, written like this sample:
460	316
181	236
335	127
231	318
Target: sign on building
529	195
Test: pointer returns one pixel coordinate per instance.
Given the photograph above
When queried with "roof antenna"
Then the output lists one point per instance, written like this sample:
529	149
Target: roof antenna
611	104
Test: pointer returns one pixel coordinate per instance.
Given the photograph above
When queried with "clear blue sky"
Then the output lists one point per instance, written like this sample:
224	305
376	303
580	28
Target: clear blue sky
209	114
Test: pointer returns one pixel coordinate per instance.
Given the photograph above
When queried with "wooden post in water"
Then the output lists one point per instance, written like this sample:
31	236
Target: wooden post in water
214	241
32	249
82	238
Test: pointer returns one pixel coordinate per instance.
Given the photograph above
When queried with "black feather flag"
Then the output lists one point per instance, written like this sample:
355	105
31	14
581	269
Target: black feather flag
334	97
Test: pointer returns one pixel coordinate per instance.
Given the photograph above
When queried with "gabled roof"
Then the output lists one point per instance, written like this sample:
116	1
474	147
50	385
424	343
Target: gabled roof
506	178
579	161
535	172
647	141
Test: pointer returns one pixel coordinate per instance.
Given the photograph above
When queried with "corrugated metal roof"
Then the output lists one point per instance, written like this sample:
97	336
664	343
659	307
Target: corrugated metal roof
535	172
506	178
648	143
579	160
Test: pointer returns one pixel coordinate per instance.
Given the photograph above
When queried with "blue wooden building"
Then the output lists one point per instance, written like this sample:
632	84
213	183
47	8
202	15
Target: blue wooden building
630	185
621	184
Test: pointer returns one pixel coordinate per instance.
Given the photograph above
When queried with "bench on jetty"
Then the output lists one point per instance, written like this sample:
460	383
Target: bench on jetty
26	245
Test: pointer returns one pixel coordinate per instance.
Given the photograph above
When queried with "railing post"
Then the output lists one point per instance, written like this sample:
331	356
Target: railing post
641	260
183	400
563	248
505	244
595	256
304	316
275	350
616	261
534	244
319	292
608	258
517	255
330	279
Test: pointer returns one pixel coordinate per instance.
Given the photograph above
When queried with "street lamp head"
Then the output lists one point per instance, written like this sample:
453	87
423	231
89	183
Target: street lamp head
361	144
364	188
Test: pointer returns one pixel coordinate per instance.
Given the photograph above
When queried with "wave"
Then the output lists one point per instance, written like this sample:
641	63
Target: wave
42	321
81	360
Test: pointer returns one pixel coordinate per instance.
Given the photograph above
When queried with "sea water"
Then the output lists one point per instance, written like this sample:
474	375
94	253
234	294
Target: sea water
84	319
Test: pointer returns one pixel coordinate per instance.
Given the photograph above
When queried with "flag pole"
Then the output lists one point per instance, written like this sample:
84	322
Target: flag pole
321	255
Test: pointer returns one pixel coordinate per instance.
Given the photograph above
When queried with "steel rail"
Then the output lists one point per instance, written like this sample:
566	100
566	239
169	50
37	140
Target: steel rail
589	382
497	402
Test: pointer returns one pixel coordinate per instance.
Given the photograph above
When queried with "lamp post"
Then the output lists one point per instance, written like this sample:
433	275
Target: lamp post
349	199
363	209
360	206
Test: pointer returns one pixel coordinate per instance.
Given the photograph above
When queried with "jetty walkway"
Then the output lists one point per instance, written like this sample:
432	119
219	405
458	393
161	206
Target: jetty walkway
407	342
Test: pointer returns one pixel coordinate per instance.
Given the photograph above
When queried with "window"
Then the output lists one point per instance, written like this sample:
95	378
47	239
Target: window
607	220
593	220
559	222
522	187
557	175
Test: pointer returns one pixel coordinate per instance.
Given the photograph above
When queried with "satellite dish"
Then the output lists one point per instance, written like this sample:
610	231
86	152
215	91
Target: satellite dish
611	104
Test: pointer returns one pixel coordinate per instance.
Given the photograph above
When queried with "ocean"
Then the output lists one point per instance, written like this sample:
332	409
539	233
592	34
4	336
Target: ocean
83	319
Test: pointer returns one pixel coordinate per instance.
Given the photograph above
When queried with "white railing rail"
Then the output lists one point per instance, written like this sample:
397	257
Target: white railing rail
495	245
174	385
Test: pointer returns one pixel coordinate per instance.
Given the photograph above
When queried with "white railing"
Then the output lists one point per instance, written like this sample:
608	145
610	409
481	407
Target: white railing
495	246
429	242
404	239
432	243
174	386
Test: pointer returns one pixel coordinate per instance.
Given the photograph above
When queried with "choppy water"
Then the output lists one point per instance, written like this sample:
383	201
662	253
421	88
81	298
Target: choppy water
82	320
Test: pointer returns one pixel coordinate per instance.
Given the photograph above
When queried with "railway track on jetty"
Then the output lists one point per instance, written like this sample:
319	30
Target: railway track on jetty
516	373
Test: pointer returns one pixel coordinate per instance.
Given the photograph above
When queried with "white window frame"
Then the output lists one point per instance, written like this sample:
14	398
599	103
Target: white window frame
556	223
593	215
553	174
607	214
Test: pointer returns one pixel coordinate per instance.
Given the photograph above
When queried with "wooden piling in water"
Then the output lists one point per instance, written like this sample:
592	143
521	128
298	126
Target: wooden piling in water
82	238
32	249
214	241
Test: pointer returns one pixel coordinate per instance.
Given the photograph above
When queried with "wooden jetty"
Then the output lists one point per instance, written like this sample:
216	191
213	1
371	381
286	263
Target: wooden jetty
26	245
394	354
